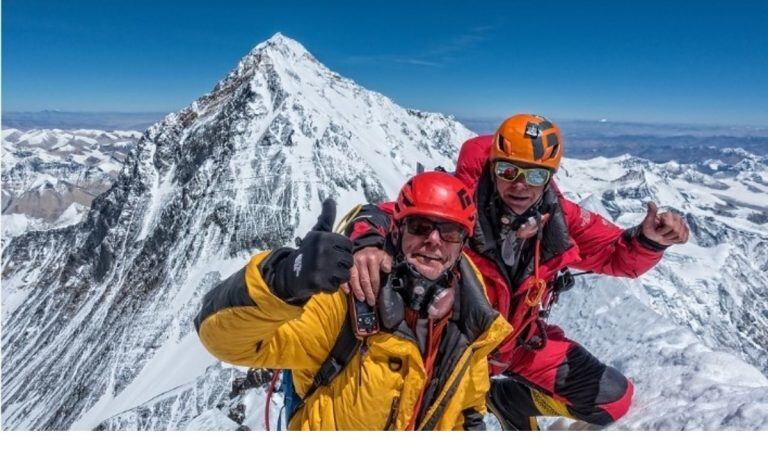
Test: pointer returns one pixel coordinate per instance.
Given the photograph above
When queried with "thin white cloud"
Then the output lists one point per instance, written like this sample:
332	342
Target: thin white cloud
415	61
437	56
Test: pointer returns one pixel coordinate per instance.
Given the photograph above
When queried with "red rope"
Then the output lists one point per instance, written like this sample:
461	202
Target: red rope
434	335
538	285
533	295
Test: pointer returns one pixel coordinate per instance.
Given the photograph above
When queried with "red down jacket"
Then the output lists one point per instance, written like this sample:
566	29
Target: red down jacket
574	238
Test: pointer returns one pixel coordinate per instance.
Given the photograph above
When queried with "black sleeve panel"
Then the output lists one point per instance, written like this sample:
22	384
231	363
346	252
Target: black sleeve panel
232	292
477	313
369	228
372	215
637	233
372	239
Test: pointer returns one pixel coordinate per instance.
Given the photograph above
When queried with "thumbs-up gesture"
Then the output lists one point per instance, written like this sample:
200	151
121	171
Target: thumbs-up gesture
320	264
665	228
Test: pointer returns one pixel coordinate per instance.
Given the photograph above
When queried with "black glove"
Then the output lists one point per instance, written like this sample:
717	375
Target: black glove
320	264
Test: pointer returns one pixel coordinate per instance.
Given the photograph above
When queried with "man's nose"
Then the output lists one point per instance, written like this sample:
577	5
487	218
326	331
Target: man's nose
519	184
434	236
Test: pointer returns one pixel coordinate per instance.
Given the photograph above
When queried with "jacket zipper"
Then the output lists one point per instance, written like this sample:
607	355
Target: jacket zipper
392	413
436	410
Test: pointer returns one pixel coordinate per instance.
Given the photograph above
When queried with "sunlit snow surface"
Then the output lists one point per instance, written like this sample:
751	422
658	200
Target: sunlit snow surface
680	383
50	176
97	317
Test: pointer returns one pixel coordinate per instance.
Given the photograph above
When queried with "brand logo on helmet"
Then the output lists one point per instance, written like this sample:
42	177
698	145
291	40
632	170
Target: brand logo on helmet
532	130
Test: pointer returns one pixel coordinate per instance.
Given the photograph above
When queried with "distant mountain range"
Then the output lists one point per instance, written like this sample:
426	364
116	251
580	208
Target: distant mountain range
50	177
684	143
584	138
61	120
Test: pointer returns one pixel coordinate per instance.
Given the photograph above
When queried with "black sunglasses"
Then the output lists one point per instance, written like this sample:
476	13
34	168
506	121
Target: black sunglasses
449	232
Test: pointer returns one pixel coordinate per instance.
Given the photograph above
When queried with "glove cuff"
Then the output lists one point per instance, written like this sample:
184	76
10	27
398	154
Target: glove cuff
637	233
276	270
372	239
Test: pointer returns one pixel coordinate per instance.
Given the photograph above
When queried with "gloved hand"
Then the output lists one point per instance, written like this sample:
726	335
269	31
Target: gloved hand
320	264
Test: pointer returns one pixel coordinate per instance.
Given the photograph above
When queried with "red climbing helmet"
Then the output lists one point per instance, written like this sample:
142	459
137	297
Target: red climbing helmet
438	195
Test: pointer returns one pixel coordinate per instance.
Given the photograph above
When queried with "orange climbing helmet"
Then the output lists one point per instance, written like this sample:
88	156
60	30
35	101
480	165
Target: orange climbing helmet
529	139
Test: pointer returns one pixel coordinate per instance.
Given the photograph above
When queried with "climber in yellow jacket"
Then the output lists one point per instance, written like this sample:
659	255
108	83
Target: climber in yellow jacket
418	360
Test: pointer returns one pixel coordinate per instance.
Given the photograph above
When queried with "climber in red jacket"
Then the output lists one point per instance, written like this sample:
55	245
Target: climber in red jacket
526	236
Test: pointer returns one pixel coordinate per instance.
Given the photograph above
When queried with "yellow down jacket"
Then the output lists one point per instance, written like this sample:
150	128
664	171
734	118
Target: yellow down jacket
243	323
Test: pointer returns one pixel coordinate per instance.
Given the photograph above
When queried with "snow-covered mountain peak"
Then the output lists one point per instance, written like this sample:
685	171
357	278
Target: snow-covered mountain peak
283	45
277	46
242	169
280	55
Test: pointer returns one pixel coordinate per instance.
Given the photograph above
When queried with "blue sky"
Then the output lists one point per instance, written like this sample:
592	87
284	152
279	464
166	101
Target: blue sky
645	61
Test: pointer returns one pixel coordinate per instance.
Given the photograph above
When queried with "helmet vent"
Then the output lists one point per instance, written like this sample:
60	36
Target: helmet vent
552	140
464	199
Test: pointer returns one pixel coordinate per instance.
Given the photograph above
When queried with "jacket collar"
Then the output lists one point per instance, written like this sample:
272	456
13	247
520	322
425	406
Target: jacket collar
471	310
555	237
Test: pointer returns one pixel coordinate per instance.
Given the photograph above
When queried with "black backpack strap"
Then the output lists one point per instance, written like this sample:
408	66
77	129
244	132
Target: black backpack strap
342	352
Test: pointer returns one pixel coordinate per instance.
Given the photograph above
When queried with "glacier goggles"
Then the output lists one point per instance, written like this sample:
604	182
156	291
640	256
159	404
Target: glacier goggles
423	227
534	176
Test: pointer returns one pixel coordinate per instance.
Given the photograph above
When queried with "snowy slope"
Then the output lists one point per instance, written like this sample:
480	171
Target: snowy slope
680	382
716	285
51	176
